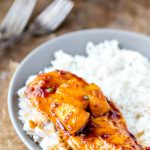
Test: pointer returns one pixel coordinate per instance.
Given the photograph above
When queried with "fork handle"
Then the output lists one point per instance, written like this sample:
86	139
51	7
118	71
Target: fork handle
6	43
35	29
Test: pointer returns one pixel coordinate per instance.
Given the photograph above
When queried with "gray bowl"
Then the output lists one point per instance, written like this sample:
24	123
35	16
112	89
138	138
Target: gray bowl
72	43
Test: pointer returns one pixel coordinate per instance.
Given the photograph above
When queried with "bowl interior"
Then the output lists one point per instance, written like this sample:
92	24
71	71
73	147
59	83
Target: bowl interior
73	43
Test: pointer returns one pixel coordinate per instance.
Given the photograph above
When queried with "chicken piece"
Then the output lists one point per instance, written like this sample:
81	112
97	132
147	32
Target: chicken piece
74	119
107	131
57	87
72	92
97	101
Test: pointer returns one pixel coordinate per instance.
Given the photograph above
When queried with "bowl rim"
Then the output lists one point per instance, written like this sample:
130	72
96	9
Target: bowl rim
35	50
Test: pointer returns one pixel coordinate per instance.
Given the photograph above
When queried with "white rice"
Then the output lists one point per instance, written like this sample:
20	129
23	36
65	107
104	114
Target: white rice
124	77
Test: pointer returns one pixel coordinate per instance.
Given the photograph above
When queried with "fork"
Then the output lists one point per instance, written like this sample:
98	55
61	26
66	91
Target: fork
52	17
48	21
17	18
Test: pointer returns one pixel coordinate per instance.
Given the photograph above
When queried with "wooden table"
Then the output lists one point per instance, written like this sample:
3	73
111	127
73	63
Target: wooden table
133	15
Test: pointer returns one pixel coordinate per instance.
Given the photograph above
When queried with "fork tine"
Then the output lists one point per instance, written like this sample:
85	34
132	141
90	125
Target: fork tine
17	17
22	22
50	8
53	16
60	16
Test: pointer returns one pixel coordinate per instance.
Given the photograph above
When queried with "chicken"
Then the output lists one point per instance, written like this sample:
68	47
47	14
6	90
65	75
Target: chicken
81	113
107	132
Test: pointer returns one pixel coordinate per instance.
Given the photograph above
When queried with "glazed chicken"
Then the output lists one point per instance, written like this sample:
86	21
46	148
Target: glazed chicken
81	113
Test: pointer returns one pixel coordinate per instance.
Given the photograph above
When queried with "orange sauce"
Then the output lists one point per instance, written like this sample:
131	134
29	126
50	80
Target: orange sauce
106	124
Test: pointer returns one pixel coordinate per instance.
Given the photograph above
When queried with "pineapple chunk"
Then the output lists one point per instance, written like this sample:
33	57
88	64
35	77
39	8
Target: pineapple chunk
72	118
97	101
